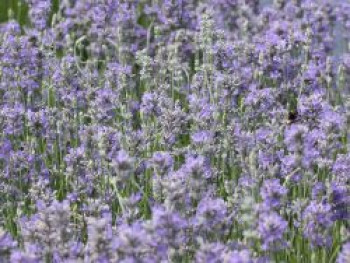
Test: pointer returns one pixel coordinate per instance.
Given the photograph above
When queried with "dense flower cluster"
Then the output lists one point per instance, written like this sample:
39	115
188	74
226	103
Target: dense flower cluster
176	131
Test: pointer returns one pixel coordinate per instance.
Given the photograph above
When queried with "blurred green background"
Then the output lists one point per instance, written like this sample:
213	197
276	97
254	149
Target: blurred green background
20	13
20	10
17	6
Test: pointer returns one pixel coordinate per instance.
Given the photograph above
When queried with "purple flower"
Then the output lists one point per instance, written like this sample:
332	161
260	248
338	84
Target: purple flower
341	168
317	223
346	62
197	166
104	104
179	130
13	119
289	163
238	256
272	193
210	216
211	253
344	255
38	122
332	121
310	107
340	201
24	257
310	149
149	104
39	12
318	191
202	137
294	137
7	244
100	237
168	230
162	160
271	228
123	161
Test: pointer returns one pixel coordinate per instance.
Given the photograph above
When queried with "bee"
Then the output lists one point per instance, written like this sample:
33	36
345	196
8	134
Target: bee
292	117
217	134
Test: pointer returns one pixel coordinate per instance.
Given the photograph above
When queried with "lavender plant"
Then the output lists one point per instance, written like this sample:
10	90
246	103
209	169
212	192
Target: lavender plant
175	131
